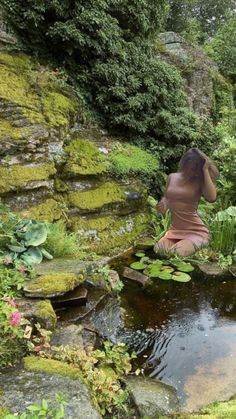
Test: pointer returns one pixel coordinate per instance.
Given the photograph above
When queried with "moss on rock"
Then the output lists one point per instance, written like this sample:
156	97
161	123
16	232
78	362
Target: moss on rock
50	210
46	315
51	366
35	92
14	177
84	158
7	130
94	199
106	234
53	284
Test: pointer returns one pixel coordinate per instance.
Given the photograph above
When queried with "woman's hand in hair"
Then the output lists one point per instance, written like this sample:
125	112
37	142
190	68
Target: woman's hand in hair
161	206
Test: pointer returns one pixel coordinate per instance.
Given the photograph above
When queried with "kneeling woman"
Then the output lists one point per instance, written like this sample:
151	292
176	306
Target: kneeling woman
196	177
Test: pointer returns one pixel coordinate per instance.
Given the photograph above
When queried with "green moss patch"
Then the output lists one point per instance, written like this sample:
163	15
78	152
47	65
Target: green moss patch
84	158
106	234
128	160
50	366
36	92
94	199
14	177
50	210
46	314
53	284
7	130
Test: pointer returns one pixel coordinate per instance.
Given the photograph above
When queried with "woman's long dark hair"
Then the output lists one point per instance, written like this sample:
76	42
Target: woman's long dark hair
198	157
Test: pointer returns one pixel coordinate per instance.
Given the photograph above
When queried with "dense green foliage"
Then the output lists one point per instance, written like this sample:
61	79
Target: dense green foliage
106	48
198	19
222	48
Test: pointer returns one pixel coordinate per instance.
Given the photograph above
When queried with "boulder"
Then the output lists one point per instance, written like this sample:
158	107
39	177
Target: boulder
152	397
20	389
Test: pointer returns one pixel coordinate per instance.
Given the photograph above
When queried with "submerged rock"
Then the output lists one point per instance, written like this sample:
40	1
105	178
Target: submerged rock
151	397
21	389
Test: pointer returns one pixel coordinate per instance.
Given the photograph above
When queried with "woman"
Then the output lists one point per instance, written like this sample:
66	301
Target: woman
196	177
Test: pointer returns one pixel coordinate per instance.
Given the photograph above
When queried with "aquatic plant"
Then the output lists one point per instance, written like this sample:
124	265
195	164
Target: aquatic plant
223	231
176	269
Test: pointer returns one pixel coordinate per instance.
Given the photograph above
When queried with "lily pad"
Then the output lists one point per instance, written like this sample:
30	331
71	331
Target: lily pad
138	265
185	267
168	269
145	259
153	271
181	277
164	275
158	262
140	254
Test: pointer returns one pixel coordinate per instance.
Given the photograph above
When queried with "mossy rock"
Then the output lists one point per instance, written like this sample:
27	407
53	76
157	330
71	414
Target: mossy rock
38	312
3	412
95	199
49	210
84	158
51	366
37	93
16	177
53	284
108	235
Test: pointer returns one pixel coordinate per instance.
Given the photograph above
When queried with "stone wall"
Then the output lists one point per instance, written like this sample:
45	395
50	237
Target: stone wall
52	167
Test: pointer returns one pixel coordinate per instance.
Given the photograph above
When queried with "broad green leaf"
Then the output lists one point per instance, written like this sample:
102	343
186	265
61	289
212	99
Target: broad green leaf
33	256
140	254
181	277
184	267
36	234
138	265
164	275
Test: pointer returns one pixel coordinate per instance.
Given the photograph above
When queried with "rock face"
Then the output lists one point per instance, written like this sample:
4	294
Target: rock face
200	74
51	167
152	398
19	389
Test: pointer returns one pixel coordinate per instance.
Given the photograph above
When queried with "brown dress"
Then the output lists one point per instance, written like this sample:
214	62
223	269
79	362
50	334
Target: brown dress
182	200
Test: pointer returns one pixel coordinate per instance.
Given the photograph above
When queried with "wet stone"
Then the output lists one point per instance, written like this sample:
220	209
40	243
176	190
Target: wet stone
152	397
76	297
73	335
37	311
135	276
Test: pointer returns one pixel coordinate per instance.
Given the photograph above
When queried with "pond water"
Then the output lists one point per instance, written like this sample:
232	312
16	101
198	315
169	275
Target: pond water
185	335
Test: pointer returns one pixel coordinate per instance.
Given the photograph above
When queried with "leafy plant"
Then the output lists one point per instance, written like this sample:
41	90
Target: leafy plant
176	269
102	371
223	231
59	242
44	409
21	239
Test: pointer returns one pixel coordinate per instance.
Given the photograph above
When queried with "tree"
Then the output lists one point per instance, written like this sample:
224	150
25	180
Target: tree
222	48
208	16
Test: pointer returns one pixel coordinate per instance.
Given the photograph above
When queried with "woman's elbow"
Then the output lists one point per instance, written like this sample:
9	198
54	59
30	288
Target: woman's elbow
211	198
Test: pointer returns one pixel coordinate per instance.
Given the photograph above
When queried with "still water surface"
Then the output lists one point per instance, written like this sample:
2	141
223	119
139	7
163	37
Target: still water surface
185	335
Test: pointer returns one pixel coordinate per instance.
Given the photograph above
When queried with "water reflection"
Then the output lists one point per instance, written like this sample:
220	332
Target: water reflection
180	331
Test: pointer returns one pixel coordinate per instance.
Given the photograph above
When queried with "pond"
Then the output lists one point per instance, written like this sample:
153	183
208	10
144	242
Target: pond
185	335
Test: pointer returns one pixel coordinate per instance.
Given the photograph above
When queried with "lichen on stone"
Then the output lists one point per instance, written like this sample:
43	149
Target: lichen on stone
51	366
84	158
16	176
53	284
94	199
49	210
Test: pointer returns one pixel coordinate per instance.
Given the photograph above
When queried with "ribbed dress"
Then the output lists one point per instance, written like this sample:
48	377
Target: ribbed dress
182	200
